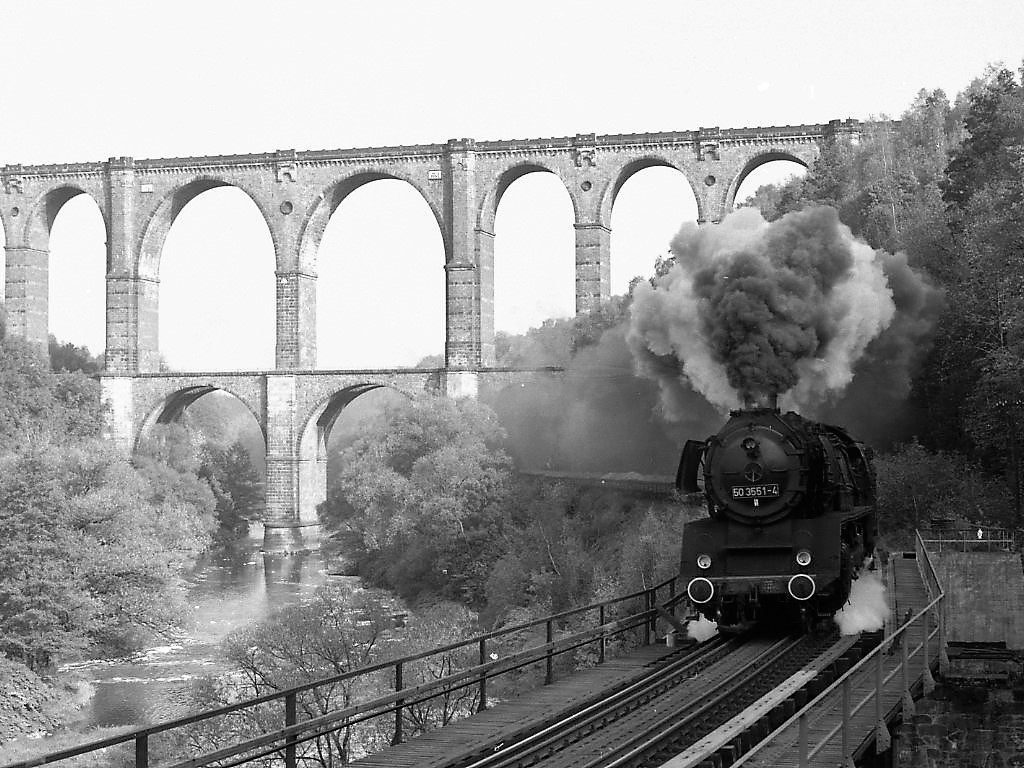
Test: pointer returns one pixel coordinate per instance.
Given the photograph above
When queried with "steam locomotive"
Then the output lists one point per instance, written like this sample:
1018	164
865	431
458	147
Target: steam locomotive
791	519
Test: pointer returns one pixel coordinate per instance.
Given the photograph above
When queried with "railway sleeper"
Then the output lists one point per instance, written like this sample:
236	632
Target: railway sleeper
729	753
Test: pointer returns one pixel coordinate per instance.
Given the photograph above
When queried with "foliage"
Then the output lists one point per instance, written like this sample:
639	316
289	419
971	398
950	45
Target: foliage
432	627
550	344
341	629
916	485
418	500
236	487
91	545
569	547
68	357
946	186
37	402
555	342
90	550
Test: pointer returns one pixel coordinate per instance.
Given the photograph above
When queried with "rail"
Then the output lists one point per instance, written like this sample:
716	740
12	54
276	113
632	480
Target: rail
283	742
926	625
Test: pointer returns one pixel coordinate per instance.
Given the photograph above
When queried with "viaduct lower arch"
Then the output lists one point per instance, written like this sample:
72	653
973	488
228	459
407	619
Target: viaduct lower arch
462	182
295	411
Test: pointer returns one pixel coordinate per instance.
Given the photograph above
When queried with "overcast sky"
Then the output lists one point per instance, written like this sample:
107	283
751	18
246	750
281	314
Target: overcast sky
96	79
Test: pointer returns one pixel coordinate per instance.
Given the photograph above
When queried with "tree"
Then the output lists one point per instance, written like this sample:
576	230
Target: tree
984	191
68	357
418	499
341	629
237	488
89	554
428	628
91	547
915	485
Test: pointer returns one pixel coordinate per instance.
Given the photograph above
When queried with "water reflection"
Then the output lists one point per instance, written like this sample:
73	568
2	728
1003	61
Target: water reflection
225	592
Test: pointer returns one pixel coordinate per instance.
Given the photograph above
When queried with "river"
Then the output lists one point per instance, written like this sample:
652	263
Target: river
225	593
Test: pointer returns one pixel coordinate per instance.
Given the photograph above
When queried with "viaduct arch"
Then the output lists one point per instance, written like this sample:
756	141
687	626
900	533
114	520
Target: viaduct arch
296	192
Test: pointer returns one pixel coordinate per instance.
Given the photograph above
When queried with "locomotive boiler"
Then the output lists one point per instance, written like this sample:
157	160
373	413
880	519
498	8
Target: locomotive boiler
791	519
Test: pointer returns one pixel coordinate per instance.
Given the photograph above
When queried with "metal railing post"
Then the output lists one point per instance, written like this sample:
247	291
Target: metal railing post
549	674
882	739
908	699
290	718
601	641
647	619
482	705
846	717
927	681
943	654
399	684
802	747
142	751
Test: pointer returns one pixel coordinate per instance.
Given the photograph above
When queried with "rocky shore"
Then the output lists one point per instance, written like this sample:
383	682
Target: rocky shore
31	707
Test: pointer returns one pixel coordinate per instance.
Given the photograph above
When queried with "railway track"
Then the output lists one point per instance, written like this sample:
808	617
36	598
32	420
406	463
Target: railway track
673	708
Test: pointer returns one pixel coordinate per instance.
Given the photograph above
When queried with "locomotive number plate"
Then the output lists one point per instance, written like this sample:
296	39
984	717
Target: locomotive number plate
769	585
770	491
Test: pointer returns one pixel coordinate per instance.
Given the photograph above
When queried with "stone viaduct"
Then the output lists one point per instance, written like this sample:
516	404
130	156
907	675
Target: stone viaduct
462	181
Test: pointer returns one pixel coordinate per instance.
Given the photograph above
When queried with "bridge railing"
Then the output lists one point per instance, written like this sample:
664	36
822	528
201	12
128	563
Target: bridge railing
864	683
979	539
631	618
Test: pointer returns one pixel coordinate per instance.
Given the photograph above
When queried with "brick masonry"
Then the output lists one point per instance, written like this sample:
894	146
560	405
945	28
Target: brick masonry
294	411
973	728
296	192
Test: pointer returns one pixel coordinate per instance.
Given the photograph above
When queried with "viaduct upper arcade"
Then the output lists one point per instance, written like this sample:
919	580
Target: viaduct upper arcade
461	181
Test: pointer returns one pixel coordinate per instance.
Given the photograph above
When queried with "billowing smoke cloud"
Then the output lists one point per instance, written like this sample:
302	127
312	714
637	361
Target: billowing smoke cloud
599	417
867	607
754	309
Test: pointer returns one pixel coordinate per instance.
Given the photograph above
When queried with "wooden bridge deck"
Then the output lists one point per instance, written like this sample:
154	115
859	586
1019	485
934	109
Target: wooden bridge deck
503	721
910	594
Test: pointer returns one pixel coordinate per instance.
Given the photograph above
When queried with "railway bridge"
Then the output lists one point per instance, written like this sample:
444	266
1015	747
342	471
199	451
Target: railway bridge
760	700
296	192
295	411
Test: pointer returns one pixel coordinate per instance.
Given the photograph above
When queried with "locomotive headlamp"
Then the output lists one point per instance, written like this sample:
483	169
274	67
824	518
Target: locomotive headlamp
703	561
803	557
749	445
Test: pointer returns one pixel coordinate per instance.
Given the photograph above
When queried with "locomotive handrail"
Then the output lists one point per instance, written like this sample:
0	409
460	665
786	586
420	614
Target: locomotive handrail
402	696
900	641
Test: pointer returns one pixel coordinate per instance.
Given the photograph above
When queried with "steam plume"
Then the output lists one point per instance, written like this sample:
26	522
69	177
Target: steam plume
701	629
753	309
867	607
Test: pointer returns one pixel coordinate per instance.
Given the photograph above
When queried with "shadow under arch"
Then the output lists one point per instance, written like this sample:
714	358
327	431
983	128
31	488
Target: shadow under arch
331	197
753	164
313	444
171	408
158	225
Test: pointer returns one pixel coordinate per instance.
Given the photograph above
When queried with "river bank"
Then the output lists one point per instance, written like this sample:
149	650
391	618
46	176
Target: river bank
93	698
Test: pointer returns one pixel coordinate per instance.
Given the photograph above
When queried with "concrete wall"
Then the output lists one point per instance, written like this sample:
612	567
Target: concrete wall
985	596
